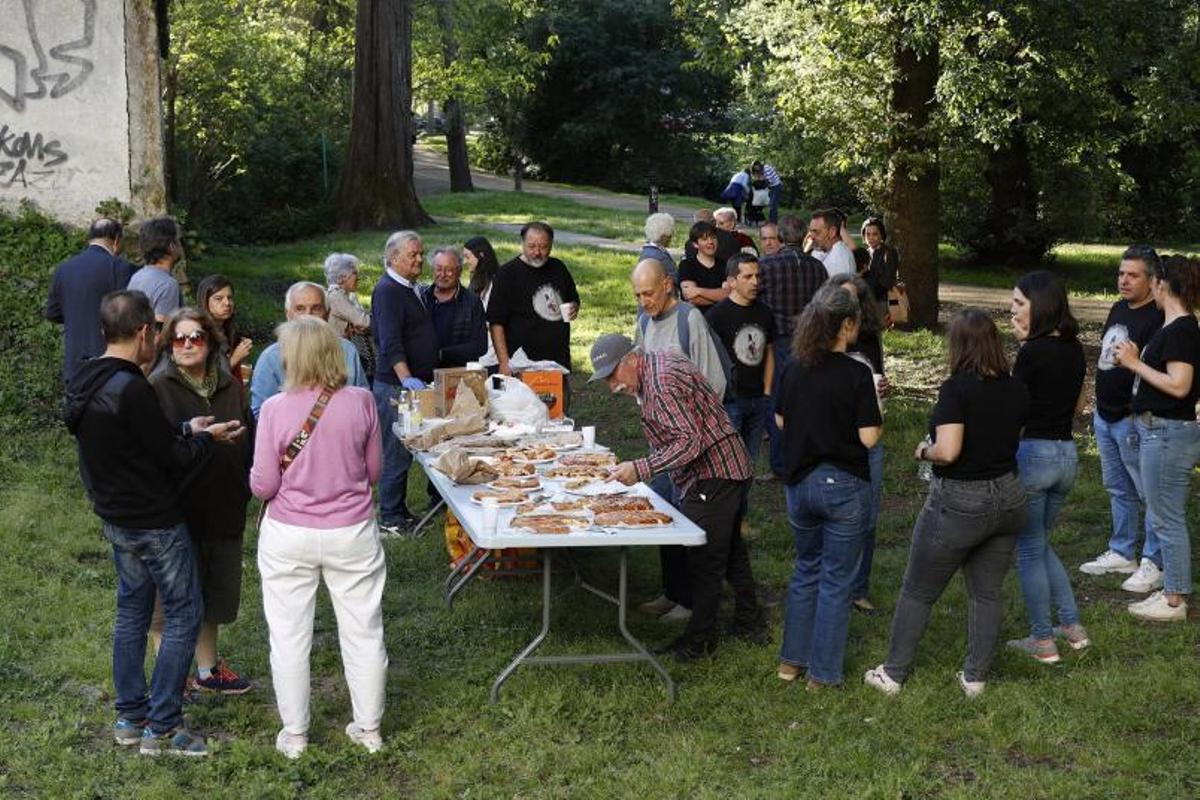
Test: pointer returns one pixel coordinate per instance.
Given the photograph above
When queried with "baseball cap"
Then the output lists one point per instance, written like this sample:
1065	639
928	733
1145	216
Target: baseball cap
607	352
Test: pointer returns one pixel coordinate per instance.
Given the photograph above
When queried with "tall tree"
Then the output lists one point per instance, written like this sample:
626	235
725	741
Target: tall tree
375	189
452	107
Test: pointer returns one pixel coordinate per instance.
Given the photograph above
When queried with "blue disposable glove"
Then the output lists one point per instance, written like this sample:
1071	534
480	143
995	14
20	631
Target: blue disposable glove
413	384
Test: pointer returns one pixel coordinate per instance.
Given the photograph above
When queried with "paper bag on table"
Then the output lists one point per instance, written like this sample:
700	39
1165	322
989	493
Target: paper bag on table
466	416
461	468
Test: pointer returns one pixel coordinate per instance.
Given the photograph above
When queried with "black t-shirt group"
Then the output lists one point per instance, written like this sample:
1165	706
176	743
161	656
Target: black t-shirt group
747	333
992	412
1052	368
823	407
1179	340
527	301
1114	384
690	269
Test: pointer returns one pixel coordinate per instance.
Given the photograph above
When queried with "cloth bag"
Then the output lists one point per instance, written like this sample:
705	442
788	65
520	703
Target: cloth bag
898	303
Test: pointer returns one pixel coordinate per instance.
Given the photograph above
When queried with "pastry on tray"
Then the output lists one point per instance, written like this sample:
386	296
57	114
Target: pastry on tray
503	497
588	460
618	502
578	471
510	469
516	482
549	523
632	519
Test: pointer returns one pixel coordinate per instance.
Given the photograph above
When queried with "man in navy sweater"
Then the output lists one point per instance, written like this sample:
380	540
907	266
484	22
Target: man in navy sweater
77	287
408	349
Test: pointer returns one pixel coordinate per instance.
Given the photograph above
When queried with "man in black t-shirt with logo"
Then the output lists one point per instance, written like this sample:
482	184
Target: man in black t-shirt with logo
1136	318
747	329
533	302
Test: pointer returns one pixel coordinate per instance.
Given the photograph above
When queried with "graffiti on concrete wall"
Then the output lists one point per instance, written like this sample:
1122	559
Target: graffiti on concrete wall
34	65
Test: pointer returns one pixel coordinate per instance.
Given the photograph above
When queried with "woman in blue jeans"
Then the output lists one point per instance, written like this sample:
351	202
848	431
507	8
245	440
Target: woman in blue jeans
1165	392
975	507
1050	363
829	414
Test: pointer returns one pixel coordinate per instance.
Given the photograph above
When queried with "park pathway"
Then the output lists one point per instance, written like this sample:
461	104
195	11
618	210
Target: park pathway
431	175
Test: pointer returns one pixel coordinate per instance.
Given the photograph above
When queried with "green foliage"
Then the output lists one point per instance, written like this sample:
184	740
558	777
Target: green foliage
31	244
259	94
621	105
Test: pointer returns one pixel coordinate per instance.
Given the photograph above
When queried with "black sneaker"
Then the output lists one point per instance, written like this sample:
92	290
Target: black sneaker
753	634
686	649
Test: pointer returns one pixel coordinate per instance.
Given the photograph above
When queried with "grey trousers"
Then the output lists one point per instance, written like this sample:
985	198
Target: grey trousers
968	524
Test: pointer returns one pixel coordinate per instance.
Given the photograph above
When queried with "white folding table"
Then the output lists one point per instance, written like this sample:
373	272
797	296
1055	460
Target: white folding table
682	531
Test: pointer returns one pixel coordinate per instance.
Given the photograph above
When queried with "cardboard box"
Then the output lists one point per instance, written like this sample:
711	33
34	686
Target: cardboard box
546	382
446	382
427	399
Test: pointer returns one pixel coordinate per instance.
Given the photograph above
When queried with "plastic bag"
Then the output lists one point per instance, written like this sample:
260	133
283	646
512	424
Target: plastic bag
517	403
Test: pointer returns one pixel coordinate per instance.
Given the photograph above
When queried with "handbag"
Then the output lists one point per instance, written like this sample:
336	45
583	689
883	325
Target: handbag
300	439
762	197
898	306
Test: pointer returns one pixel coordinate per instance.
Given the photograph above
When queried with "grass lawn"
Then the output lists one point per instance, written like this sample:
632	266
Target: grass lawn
1118	719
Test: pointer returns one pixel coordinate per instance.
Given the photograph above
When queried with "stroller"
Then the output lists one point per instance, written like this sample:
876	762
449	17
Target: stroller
757	202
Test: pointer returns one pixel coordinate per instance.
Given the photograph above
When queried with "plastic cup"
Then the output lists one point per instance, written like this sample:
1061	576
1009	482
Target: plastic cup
589	436
491	515
569	310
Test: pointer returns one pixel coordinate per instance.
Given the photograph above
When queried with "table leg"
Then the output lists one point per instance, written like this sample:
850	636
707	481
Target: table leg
622	608
480	557
416	531
507	672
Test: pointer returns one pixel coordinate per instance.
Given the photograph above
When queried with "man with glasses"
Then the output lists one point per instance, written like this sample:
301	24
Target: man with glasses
458	317
1136	318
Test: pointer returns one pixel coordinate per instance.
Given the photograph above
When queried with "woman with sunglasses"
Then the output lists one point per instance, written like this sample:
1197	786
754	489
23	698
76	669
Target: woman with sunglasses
190	381
1165	390
1050	363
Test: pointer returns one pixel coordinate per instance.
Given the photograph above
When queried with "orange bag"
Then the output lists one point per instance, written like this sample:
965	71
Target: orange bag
459	546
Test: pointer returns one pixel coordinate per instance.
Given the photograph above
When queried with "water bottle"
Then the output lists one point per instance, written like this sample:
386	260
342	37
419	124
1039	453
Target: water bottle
925	468
404	413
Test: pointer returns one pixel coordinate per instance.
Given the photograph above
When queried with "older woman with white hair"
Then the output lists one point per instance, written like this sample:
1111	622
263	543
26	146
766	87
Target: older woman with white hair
660	227
316	455
346	313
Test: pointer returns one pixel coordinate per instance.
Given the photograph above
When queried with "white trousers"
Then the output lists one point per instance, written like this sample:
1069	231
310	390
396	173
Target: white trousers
292	561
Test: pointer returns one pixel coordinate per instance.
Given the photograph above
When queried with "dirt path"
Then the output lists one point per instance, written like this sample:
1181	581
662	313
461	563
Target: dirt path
431	175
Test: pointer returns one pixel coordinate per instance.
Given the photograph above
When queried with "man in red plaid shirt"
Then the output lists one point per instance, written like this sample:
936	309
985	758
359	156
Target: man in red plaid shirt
691	437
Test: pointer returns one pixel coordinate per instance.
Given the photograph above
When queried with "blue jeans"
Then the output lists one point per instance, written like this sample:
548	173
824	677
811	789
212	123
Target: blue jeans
826	511
1118	446
1047	469
862	580
393	480
1169	449
149	562
775	191
783	357
749	418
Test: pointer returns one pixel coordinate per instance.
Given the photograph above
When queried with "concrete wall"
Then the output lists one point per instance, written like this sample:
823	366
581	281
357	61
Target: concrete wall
80	118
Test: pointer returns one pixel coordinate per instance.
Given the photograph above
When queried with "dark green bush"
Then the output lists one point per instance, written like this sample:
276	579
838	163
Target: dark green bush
31	244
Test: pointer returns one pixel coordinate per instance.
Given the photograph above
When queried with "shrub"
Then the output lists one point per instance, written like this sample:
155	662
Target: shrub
31	244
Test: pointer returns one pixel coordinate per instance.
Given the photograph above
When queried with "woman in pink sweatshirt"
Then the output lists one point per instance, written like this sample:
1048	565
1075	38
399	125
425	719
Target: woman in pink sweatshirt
320	524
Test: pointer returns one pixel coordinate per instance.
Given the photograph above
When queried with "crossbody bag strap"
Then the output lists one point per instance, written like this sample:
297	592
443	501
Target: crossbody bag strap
314	416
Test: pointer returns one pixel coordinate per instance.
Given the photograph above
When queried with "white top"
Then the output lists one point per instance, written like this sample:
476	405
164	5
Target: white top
839	260
470	515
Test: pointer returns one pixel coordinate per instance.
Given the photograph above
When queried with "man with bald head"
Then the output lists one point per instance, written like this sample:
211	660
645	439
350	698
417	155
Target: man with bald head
664	323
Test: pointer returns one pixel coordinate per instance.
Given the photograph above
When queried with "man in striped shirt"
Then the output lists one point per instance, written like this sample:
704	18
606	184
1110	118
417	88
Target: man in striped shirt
774	186
691	437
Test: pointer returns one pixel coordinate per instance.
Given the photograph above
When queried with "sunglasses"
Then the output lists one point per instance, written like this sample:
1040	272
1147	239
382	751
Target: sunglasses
195	338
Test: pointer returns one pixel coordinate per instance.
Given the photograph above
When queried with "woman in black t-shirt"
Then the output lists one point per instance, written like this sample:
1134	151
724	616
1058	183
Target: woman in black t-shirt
869	346
1165	391
975	507
701	278
1050	364
829	415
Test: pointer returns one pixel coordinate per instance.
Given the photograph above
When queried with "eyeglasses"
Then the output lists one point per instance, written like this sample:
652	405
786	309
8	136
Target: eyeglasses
195	338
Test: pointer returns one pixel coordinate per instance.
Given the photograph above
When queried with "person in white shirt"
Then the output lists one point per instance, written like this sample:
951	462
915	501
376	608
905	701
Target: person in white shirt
825	230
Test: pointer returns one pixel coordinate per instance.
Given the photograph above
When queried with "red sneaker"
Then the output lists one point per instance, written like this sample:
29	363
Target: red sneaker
223	680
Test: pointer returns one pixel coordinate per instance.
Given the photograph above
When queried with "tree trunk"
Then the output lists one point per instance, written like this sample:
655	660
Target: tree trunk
375	189
456	129
1011	231
914	224
170	97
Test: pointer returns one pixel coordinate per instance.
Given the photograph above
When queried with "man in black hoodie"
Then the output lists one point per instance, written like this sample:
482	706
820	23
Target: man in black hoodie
132	462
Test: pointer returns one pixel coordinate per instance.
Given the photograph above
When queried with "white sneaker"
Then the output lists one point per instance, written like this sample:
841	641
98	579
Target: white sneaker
677	613
658	606
368	739
1147	578
879	678
291	744
1110	561
971	689
1155	608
